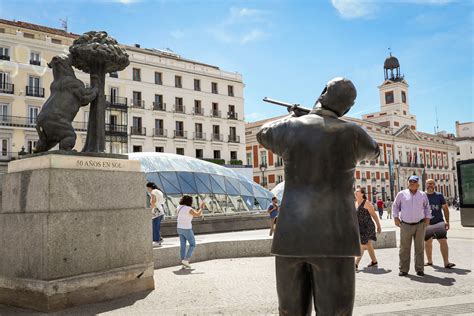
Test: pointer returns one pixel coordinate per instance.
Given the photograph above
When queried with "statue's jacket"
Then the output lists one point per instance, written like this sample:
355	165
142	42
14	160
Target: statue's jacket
317	214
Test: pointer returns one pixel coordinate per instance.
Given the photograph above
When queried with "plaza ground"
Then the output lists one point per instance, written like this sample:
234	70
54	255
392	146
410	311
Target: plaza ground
246	286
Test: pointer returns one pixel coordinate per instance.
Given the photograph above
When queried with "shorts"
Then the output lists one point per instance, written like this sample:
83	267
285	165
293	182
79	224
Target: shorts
436	231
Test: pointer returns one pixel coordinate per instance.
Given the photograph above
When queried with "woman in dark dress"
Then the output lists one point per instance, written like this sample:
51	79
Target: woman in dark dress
365	214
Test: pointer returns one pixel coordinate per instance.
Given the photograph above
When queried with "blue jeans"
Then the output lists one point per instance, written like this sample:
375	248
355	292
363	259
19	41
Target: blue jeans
186	235
156	228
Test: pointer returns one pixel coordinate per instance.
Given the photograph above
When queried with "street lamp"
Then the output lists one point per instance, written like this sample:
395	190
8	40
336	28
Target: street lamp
263	167
397	165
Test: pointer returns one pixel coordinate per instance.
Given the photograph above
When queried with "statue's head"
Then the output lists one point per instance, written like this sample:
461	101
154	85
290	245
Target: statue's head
61	66
338	96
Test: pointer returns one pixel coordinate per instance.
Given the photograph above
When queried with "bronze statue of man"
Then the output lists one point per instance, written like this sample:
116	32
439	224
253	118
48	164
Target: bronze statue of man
317	235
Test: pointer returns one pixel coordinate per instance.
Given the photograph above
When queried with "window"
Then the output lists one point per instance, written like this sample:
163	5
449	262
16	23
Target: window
263	157
199	153
31	144
180	151
3	112
159	149
230	90
137	122
28	35
179	132
4	53
158	78
4	147
389	97
198	128
56	41
137	149
214	88
159	125
35	58
396	123
198	107
404	97
215	109
217	154
197	85
5	83
113	74
249	159
33	88
279	178
33	114
233	155
137	99
158	103
177	82
137	74
233	134
216	132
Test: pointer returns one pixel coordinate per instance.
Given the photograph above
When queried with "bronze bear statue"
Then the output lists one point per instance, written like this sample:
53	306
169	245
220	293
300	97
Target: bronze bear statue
68	94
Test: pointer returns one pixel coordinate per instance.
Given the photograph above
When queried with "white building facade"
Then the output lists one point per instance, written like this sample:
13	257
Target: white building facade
161	102
465	140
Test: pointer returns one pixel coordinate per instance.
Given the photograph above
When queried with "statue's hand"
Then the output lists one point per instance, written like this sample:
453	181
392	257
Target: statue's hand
294	110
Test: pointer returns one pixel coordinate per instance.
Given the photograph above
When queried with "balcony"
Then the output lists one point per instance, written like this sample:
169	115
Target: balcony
140	131
198	111
8	88
234	139
4	57
159	106
199	136
232	116
138	104
32	91
216	113
30	122
180	134
179	108
113	74
116	102
159	132
80	126
35	62
217	137
411	165
115	130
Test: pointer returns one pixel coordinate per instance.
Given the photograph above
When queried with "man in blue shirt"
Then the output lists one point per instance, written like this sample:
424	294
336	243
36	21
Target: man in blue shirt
438	228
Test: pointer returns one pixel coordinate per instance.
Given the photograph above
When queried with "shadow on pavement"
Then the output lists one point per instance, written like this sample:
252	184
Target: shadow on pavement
376	270
83	310
186	272
452	270
432	279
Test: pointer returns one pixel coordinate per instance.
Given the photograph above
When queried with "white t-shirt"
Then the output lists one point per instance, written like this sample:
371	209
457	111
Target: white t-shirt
184	217
160	200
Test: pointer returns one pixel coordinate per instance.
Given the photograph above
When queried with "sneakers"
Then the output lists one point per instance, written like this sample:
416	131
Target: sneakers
185	263
156	244
420	273
403	273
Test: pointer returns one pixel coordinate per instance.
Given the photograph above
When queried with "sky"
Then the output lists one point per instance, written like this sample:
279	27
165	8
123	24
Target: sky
289	50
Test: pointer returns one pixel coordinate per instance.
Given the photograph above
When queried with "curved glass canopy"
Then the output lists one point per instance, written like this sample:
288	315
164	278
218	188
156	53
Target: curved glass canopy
223	190
278	190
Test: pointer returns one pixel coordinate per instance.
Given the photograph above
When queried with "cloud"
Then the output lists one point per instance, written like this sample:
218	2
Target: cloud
126	1
255	116
177	34
351	9
241	26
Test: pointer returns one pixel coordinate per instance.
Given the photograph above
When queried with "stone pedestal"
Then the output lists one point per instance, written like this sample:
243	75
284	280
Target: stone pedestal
73	230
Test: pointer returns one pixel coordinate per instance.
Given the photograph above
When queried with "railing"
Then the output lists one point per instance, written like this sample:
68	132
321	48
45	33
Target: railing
138	104
178	108
198	111
159	106
411	165
159	132
180	134
113	74
217	137
80	126
7	88
4	57
33	91
216	113
35	62
138	131
232	116
30	122
116	102
234	139
115	129
199	136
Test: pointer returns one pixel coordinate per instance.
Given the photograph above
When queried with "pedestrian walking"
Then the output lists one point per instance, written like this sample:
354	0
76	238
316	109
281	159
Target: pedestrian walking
157	201
366	216
185	214
388	206
411	212
380	205
438	228
273	213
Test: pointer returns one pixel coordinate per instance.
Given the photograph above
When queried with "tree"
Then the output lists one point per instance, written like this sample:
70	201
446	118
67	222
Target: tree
97	54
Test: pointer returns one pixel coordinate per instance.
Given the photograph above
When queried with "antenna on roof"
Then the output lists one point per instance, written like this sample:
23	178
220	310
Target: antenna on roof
64	24
390	51
437	126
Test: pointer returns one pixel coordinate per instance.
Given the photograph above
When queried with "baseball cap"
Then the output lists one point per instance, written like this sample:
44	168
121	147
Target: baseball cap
414	178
